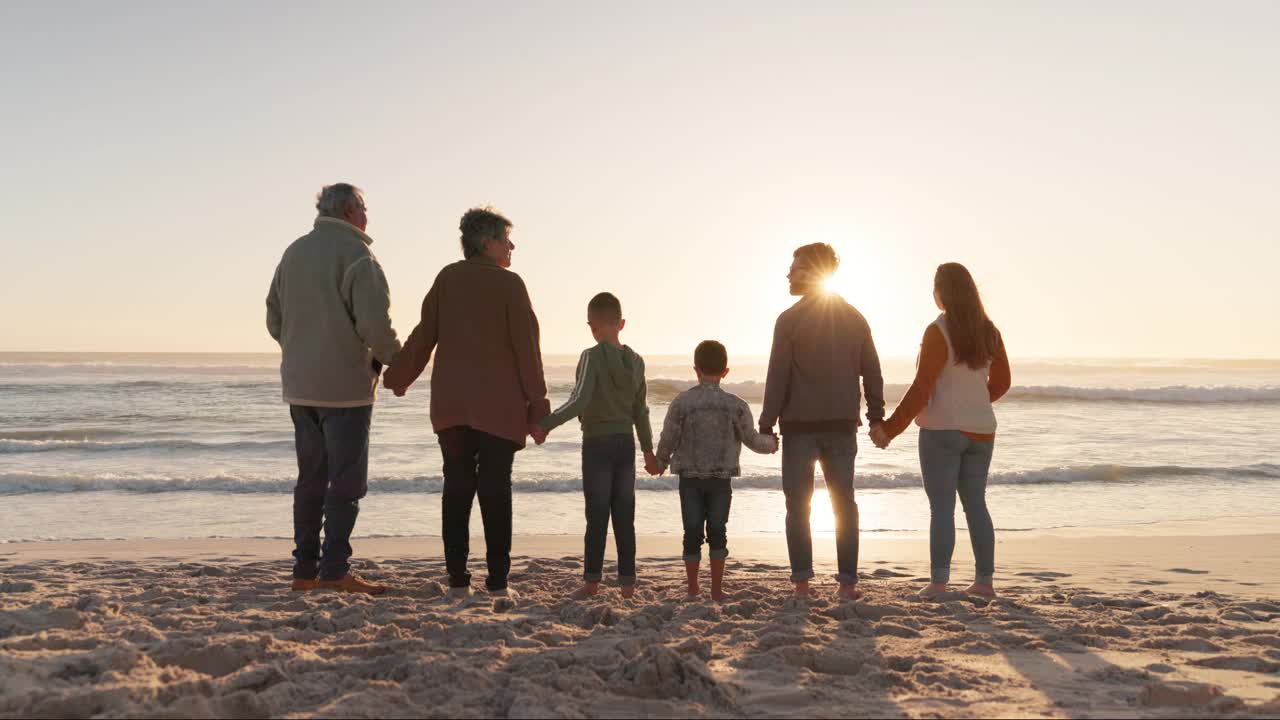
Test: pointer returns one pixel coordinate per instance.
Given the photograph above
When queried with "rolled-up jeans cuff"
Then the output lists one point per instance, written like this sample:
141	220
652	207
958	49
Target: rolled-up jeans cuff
626	580
984	578
847	579
801	575
692	558
592	577
718	554
940	576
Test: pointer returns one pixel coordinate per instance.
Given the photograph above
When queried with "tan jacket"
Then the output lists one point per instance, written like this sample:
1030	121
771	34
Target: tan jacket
328	307
487	374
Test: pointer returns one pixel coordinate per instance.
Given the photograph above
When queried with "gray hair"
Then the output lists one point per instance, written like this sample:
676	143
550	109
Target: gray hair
333	200
478	225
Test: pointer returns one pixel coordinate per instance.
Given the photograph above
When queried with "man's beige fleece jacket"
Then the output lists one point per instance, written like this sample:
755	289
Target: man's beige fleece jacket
328	307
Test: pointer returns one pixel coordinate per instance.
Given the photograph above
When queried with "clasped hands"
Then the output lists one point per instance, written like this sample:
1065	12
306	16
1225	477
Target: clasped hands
537	433
768	430
880	436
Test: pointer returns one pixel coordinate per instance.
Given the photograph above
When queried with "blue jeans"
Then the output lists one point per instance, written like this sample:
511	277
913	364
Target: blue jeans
705	502
609	489
836	452
952	462
333	474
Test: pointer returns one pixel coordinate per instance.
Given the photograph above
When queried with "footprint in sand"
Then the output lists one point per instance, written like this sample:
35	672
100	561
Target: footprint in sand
1187	571
16	586
1241	663
1148	582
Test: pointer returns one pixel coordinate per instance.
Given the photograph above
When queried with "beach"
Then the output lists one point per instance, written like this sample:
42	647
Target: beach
1170	622
145	560
298	299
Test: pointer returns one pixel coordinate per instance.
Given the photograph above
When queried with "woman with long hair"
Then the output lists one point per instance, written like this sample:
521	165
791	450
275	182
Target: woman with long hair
962	370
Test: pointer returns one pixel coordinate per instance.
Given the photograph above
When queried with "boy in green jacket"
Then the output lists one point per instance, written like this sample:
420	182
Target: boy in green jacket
609	399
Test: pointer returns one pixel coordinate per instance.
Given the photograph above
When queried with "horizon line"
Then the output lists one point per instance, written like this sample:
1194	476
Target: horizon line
1217	358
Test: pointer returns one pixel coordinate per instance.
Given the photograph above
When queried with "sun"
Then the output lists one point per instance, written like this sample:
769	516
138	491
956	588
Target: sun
876	278
863	284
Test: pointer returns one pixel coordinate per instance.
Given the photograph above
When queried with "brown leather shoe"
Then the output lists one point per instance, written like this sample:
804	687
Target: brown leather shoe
351	583
303	585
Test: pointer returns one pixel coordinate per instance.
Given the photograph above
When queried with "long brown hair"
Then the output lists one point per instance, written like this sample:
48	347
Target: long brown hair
974	337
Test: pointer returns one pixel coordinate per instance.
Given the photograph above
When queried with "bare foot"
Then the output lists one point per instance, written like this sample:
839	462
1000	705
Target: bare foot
505	592
628	591
802	589
694	592
586	591
983	590
849	591
932	589
717	594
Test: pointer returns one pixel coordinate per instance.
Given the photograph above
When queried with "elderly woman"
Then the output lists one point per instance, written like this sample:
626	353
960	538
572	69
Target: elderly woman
487	389
328	307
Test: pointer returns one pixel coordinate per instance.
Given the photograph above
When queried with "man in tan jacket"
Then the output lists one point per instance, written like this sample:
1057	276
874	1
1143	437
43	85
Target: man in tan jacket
487	389
328	307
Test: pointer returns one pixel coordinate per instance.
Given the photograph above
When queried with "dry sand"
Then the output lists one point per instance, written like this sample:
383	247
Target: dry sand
1151	626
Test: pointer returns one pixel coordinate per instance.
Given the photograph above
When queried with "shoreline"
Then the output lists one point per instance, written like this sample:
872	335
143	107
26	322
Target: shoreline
1246	563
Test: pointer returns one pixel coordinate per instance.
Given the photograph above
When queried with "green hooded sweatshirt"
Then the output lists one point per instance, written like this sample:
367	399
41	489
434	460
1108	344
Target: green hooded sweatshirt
608	395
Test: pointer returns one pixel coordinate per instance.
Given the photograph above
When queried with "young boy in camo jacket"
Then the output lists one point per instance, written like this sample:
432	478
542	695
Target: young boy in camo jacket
701	441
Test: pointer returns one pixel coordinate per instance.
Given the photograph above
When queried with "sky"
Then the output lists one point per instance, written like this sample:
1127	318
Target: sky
1108	172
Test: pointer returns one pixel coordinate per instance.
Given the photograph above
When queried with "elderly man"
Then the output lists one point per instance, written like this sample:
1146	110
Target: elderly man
328	308
487	389
821	346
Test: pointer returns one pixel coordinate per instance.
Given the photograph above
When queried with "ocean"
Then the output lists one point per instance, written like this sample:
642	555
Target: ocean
200	445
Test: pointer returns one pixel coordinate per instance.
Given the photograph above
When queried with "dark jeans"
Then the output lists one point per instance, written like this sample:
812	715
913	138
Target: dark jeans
705	503
609	488
476	463
333	474
953	463
836	452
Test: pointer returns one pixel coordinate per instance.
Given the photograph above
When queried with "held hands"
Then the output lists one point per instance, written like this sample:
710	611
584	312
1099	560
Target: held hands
537	433
769	431
651	465
880	436
395	387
